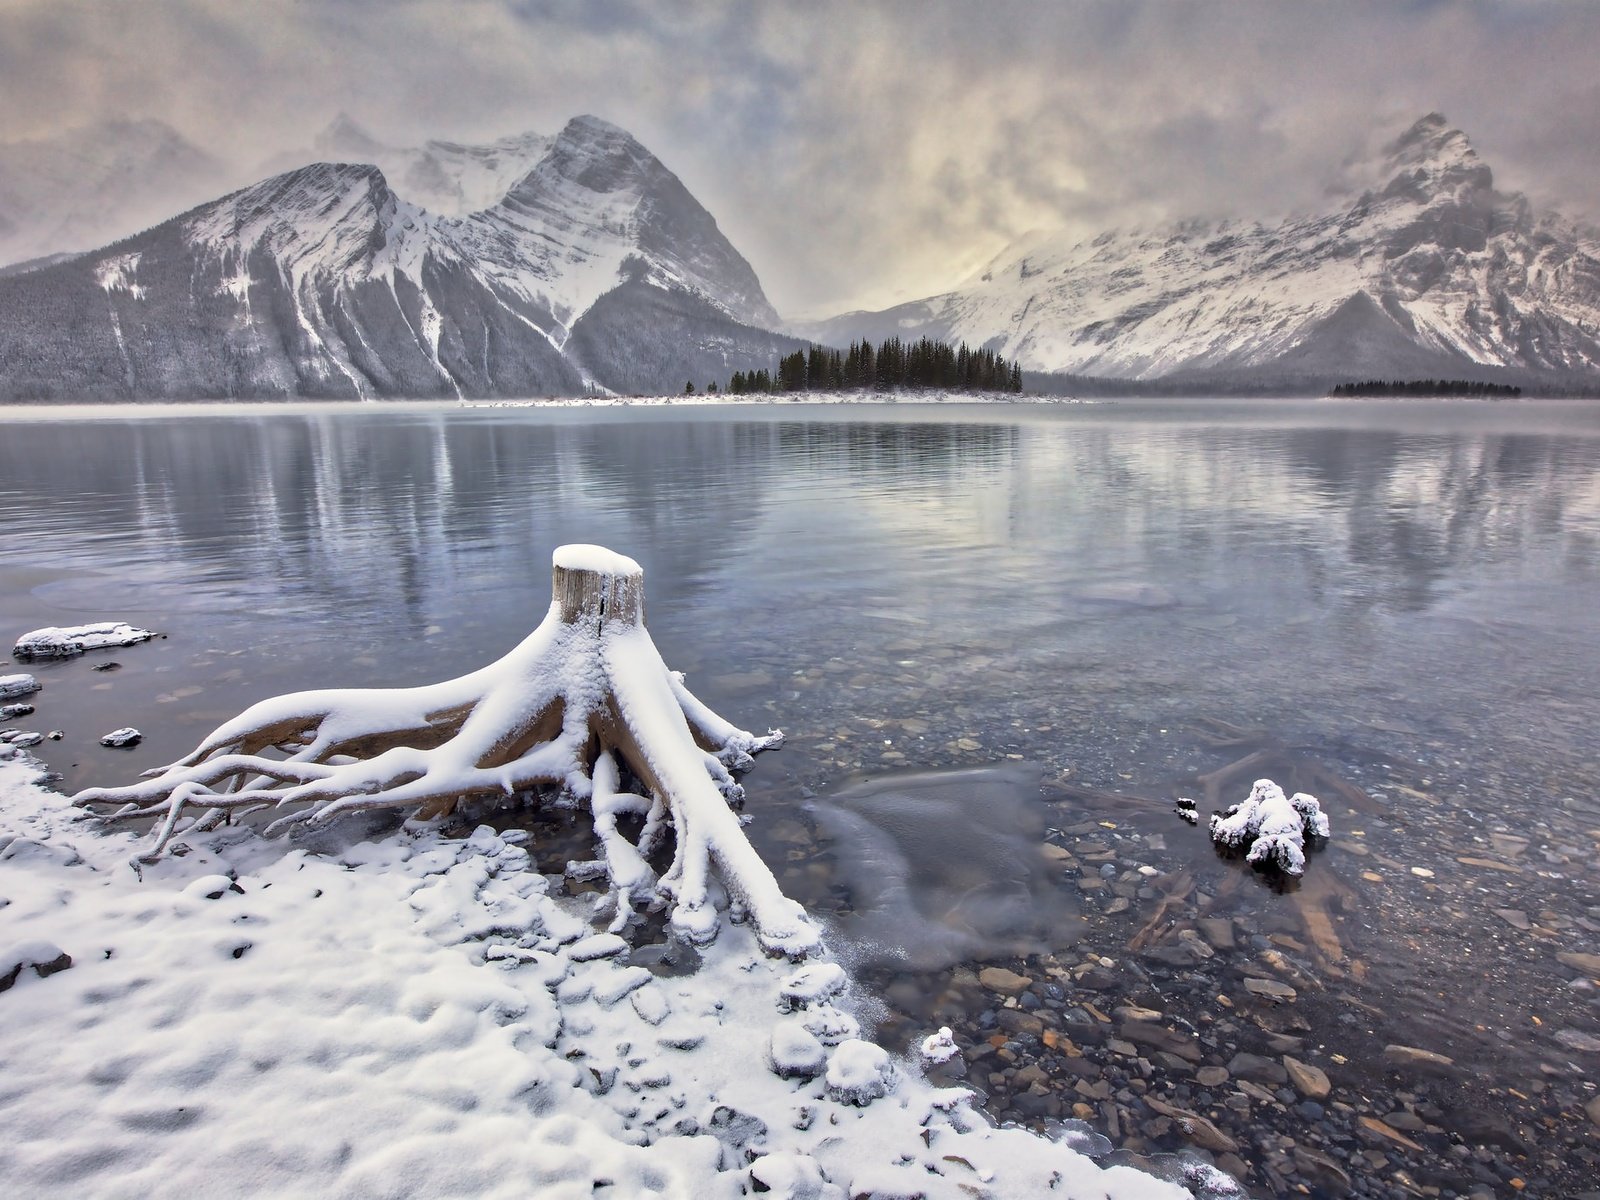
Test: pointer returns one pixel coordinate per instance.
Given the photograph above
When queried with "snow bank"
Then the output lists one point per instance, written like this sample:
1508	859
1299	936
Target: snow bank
419	1016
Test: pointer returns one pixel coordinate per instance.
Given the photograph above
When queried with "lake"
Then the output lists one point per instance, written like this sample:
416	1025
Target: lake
1394	603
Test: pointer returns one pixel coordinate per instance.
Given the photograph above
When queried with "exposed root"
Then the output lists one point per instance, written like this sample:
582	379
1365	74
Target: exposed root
582	706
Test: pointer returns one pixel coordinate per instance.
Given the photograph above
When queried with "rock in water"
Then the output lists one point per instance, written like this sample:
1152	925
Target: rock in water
12	686
52	642
119	738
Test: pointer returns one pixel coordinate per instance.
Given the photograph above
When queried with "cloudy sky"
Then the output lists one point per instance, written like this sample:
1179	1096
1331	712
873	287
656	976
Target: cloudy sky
858	153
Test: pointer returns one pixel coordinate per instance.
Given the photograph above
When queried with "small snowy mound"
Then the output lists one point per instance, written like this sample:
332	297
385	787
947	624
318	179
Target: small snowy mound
1274	826
72	640
939	1047
859	1073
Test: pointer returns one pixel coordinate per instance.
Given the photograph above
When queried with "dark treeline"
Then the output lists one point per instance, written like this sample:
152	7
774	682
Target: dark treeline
1424	387
890	366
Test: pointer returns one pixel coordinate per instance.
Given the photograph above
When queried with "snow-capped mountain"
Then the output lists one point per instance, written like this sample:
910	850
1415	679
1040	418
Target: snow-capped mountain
1427	272
594	267
91	185
448	178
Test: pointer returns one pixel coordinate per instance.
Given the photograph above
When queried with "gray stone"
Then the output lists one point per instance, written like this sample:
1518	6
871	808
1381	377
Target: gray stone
1159	1037
1576	1039
1003	980
1270	988
1253	1066
1311	1082
1412	1057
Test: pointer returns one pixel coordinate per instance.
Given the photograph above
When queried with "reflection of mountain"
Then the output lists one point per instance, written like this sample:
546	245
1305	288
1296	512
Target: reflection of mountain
910	452
377	518
1375	517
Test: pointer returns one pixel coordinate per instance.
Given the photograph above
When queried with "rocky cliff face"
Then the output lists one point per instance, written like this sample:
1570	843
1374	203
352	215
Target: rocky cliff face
323	281
1427	271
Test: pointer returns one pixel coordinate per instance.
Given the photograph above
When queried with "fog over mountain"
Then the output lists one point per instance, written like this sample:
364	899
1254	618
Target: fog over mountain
858	155
1427	272
596	270
92	184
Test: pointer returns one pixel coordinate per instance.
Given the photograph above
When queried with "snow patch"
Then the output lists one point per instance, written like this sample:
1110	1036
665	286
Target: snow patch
116	274
253	1018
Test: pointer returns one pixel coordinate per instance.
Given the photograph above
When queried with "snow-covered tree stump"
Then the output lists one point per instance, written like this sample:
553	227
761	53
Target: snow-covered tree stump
584	704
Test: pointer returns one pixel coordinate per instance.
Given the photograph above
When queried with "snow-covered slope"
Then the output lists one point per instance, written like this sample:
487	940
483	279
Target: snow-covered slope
594	267
1427	271
90	185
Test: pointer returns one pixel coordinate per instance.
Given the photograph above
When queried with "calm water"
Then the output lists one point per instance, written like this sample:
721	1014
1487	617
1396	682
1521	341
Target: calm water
1406	594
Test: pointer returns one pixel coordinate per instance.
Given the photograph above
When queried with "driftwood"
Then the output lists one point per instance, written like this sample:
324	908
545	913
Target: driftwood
583	706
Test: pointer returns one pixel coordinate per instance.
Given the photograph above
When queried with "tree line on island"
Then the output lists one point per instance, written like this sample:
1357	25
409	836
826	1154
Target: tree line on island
1426	387
892	365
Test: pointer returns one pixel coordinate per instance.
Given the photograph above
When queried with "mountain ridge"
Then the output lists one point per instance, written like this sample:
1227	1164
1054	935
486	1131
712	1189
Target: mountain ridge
323	281
1429	269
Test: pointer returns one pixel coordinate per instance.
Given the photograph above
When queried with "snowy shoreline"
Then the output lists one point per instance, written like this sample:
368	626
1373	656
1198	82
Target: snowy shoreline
420	1016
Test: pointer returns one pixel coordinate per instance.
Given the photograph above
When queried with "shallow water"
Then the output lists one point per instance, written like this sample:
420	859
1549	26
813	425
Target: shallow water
1401	595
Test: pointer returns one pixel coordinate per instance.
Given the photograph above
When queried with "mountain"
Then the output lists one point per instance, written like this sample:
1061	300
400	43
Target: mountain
1427	272
594	268
93	184
449	178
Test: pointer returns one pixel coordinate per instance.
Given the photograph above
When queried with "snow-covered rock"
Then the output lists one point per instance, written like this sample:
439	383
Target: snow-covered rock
12	686
939	1047
859	1072
795	1052
53	642
1274	826
126	736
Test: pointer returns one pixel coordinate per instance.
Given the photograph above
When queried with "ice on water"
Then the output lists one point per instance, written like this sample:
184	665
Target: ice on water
944	867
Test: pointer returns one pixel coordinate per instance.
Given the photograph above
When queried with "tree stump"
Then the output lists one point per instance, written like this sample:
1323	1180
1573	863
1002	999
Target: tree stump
583	708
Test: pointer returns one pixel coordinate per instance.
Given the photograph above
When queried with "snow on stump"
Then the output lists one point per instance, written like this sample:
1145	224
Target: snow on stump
584	704
76	639
1274	826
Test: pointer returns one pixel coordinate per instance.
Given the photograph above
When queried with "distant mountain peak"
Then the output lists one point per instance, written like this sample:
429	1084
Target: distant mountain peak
343	139
1416	268
1432	155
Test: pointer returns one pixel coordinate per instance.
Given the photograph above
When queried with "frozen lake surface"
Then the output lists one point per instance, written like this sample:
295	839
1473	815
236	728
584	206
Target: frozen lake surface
1398	596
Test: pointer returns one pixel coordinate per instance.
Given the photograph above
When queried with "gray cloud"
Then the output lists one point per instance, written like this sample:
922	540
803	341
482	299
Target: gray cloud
858	153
